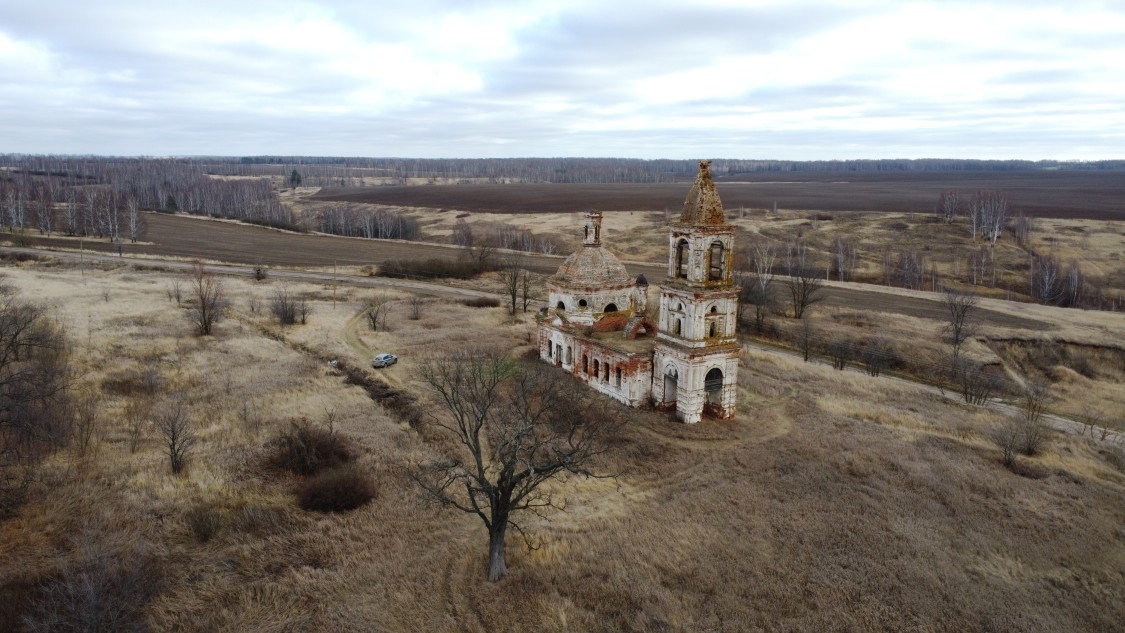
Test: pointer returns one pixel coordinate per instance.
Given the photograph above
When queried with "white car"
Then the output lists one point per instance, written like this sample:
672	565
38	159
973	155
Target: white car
384	360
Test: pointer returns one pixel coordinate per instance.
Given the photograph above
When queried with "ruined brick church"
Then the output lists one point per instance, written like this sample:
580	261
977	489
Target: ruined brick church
682	355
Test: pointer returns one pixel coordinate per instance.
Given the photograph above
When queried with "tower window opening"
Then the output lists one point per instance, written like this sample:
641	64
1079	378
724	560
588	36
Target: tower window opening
561	306
682	259
677	327
715	257
618	377
597	374
712	329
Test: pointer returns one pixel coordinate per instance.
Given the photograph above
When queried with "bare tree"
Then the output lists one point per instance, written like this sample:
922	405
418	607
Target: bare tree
1022	228
526	285
976	382
877	355
763	256
807	337
288	308
948	206
805	289
415	308
35	402
176	433
134	218
209	299
960	326
1033	429
843	258
511	272
376	312
990	211
102	584
513	427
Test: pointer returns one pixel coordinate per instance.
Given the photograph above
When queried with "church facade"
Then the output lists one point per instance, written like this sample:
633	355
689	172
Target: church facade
680	354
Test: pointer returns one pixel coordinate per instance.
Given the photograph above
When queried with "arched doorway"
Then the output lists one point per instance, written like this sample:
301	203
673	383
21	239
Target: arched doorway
671	383
713	387
610	308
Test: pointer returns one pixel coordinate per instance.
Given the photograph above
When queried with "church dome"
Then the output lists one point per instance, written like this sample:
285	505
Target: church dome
592	266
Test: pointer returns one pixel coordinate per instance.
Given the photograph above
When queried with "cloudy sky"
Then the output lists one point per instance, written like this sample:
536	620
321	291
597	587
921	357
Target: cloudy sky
431	78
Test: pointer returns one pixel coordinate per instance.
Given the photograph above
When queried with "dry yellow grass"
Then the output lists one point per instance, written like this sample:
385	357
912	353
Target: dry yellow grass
832	501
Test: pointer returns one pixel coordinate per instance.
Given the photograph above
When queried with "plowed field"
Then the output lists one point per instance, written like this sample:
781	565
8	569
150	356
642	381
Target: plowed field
1048	194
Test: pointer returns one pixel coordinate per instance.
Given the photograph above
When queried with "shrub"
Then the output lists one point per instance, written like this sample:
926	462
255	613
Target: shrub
306	449
432	268
482	302
205	521
336	490
288	308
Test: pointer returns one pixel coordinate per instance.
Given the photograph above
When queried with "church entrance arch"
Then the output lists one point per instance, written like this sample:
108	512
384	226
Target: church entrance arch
713	386
671	384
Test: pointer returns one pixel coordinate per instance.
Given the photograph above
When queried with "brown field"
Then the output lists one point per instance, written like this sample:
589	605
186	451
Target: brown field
833	501
1046	194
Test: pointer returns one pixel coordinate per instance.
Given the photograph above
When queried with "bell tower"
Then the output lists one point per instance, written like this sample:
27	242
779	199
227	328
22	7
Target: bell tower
695	362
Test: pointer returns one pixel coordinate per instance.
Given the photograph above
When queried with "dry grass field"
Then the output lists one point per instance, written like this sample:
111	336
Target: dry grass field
833	501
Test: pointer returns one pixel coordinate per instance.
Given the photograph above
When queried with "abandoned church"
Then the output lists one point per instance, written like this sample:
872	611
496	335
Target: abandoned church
682	355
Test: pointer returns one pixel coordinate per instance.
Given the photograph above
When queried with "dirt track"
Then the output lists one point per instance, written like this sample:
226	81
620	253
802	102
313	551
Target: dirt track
229	242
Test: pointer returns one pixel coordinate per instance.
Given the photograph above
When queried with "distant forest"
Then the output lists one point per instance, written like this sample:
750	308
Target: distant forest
354	172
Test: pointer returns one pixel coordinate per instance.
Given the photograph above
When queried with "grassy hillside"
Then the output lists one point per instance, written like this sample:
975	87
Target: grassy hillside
834	500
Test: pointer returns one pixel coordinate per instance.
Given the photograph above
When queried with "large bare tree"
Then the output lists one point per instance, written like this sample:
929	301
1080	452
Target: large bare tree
512	427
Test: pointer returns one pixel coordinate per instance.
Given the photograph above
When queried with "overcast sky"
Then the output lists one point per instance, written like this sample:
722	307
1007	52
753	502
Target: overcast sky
695	78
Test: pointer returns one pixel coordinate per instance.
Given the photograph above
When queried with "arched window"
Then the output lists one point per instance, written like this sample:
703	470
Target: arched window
611	307
585	364
596	372
618	377
550	349
715	258
712	329
682	252
561	306
605	372
678	325
714	310
582	303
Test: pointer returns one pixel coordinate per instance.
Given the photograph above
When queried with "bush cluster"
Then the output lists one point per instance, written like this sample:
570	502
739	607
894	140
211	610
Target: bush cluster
482	302
306	449
432	268
332	481
336	490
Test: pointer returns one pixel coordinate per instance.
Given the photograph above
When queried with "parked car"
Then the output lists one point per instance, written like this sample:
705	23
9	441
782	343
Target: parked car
384	360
